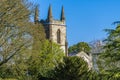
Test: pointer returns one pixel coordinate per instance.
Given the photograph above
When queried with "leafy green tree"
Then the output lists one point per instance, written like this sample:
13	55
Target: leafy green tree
41	64
14	21
38	35
20	66
72	68
18	38
81	46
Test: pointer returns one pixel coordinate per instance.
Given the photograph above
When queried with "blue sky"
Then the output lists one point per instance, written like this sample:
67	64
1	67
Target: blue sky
85	19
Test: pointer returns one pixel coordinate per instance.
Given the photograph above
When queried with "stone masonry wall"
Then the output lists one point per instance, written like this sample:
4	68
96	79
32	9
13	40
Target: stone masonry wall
59	25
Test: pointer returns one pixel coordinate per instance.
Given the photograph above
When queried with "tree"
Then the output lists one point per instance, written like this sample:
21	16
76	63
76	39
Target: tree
81	46
14	19
17	37
41	64
72	68
38	35
110	56
18	65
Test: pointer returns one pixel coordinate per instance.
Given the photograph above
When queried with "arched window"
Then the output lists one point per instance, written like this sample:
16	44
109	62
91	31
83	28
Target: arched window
58	36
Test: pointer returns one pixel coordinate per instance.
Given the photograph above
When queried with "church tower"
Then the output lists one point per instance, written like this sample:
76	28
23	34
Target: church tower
56	29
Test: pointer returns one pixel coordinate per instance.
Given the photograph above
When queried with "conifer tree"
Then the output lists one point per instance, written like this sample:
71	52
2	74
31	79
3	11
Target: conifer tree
72	68
110	58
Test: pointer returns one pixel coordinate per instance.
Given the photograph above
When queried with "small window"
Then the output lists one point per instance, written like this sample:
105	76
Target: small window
58	36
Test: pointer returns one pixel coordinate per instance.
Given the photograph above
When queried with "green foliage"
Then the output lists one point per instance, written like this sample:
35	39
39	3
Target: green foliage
5	71
17	35
81	46
41	64
72	68
14	21
112	49
38	34
37	65
110	58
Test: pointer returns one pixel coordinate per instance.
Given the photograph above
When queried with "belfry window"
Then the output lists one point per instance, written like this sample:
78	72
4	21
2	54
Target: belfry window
58	36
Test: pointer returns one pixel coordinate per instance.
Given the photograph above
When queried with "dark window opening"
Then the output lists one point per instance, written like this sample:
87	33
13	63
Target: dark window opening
58	36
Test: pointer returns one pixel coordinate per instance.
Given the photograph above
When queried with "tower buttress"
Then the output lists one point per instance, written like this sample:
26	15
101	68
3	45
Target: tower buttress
66	48
49	17
62	14
36	17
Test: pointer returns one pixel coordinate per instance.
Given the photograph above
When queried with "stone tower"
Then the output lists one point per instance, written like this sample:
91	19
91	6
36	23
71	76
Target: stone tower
55	29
